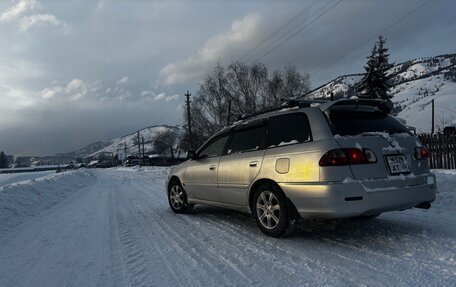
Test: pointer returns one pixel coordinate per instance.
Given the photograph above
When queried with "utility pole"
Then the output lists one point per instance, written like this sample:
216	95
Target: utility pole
432	129
228	119
142	139
125	150
189	120
139	150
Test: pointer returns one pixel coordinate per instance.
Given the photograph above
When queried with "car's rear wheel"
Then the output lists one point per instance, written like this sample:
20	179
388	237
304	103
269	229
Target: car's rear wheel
177	198
271	211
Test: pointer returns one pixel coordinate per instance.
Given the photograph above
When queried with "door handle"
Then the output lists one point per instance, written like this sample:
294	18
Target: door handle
212	167
253	163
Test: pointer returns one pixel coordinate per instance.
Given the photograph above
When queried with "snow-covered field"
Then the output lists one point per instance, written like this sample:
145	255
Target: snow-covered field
113	227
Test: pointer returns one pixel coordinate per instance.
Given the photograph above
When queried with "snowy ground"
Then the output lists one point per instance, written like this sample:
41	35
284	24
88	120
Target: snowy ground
113	227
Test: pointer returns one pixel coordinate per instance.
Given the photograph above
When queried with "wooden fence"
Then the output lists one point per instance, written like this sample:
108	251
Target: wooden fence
442	149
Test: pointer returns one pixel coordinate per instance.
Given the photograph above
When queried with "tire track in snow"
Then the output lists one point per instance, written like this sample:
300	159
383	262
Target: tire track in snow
134	243
200	261
133	255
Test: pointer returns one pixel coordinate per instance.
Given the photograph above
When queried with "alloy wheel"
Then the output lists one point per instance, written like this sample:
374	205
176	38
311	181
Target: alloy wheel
176	196
268	209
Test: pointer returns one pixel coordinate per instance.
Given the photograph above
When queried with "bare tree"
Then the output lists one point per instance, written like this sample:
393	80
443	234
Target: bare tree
166	142
249	89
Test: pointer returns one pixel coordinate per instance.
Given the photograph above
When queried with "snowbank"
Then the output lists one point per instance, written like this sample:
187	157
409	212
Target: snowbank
10	178
446	192
20	200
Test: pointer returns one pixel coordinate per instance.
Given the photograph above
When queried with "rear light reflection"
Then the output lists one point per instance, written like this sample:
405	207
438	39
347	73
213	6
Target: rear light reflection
346	156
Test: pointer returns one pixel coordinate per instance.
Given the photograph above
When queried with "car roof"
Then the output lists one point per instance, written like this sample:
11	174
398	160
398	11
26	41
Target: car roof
301	105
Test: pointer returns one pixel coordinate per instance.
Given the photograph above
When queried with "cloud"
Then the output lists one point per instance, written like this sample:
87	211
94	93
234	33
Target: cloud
172	98
160	97
122	81
17	10
17	15
146	93
38	20
241	34
74	84
74	90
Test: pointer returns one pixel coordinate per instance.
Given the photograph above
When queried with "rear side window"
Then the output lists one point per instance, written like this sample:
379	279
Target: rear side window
289	129
358	122
247	140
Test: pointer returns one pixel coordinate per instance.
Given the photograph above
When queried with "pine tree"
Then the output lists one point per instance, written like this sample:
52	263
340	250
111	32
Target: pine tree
3	160
375	84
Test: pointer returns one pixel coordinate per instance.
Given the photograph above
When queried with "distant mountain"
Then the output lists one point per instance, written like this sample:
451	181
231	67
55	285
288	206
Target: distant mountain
117	145
415	84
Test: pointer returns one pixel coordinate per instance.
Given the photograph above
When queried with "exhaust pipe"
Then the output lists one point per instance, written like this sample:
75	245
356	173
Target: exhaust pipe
424	205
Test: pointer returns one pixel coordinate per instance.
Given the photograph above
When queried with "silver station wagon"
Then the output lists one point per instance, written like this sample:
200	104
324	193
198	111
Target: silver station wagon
339	159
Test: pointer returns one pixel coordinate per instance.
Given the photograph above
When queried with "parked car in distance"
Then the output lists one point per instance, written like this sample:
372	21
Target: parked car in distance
341	159
131	161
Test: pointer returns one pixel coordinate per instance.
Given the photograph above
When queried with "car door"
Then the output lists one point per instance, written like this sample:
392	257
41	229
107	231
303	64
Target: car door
201	174
241	162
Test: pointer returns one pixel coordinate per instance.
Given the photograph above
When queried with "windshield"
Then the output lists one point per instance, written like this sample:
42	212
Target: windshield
357	122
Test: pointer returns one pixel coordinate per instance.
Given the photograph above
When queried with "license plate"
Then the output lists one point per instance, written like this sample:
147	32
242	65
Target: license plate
397	164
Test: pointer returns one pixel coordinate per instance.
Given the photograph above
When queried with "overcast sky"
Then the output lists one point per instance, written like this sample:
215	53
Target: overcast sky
75	72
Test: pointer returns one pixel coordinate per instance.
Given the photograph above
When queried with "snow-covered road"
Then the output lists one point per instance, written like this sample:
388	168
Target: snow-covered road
113	227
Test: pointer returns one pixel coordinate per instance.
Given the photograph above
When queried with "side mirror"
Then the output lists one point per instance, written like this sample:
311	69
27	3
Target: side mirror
191	154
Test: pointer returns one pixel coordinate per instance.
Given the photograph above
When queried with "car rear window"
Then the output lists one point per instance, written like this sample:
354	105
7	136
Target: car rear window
349	122
289	129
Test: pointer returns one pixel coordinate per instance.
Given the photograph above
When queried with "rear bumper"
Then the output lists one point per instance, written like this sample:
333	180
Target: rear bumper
349	199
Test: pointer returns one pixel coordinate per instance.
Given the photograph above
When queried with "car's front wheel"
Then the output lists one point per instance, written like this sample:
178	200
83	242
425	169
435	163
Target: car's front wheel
271	211
177	198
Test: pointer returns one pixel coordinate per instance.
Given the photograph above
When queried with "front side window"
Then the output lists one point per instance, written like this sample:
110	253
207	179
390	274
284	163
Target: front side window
247	140
289	129
215	148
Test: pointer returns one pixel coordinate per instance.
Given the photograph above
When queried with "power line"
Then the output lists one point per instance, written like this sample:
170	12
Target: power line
302	28
370	39
292	29
280	29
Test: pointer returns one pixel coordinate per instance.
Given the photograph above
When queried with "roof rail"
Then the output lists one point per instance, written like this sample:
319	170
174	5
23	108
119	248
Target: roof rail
286	103
303	103
247	116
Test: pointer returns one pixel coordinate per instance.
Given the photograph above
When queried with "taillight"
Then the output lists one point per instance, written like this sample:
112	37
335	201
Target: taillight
346	156
421	153
334	157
